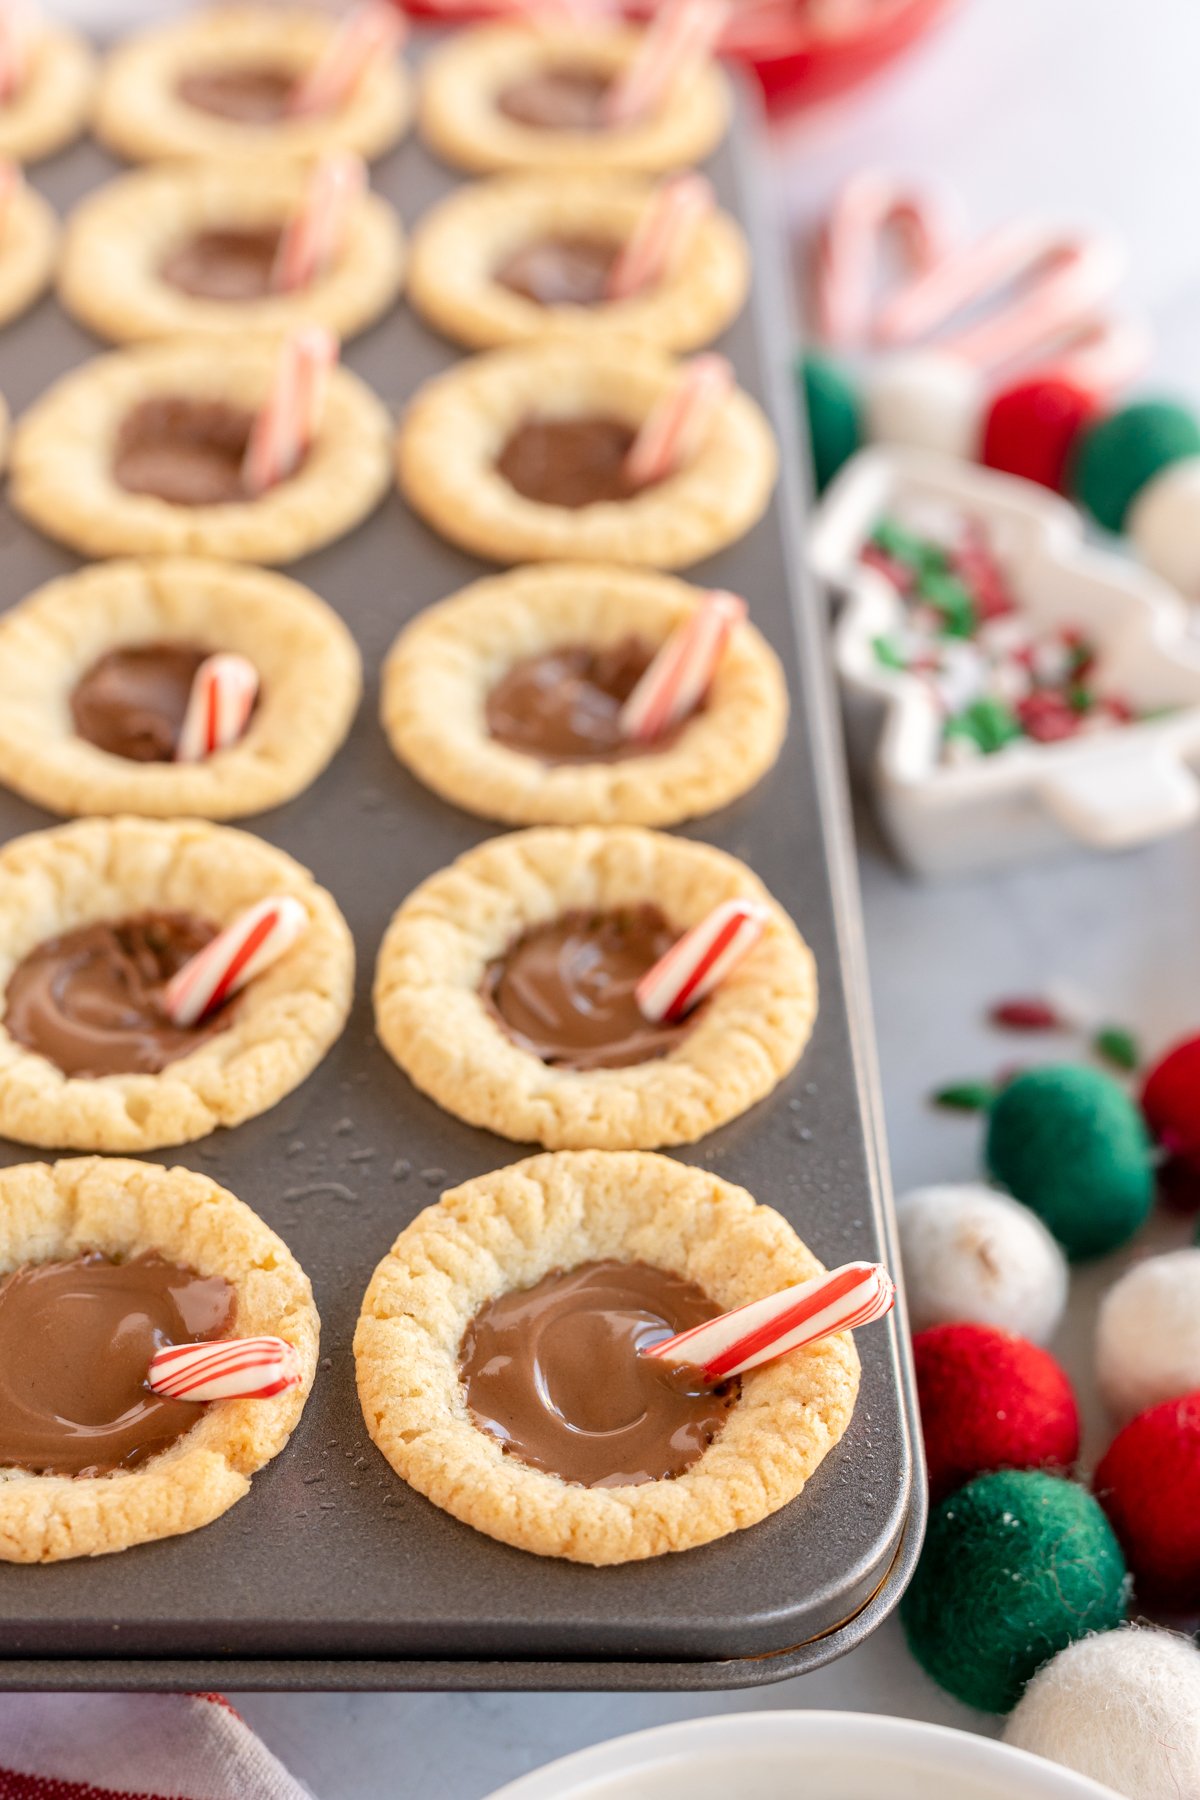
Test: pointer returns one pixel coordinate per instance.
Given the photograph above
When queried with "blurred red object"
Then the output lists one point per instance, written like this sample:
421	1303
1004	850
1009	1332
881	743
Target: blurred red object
799	50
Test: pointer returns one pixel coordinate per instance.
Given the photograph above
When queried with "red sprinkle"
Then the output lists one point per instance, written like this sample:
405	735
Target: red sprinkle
1047	717
898	573
1026	1015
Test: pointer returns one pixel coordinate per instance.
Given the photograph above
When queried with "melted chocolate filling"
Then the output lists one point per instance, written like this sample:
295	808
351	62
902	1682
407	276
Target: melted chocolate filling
91	1001
569	462
248	93
76	1339
187	452
560	271
554	1373
562	98
564	706
565	991
132	701
224	265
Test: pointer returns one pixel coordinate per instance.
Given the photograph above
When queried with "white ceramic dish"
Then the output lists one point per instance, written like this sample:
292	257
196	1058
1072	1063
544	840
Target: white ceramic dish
1109	791
802	1756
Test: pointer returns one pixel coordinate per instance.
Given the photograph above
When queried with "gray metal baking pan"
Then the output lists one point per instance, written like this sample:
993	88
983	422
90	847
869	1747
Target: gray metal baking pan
332	1573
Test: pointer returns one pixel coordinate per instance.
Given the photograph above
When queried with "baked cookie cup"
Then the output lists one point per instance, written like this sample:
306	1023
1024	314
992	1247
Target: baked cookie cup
50	107
54	1213
123	872
475	110
462	667
461	425
450	948
28	246
215	83
100	651
508	1230
491	264
195	403
189	248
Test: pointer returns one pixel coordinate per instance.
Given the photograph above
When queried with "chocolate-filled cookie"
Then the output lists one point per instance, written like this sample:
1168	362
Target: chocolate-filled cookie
498	1369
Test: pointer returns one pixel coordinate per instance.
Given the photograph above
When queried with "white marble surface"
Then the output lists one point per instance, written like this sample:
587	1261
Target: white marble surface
1084	108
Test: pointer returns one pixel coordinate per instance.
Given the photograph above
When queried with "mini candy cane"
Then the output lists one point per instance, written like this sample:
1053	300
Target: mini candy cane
237	1369
683	669
841	1300
224	690
681	421
869	206
312	237
701	959
290	417
1100	359
661	234
366	35
14	36
683	35
256	939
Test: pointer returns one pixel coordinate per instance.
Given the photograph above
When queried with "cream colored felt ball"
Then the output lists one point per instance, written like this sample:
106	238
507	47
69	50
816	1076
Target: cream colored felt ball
1123	1708
1164	523
926	400
971	1253
1148	1334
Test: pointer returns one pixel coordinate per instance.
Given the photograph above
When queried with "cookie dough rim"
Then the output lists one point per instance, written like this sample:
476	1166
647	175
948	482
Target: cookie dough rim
138	117
117	235
53	111
311	686
441	667
29	236
286	1020
434	1023
459	122
457	244
507	1229
61	480
458	422
56	1211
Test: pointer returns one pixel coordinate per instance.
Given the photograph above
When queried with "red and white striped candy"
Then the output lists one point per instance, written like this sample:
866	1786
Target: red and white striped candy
313	236
661	235
290	417
870	207
366	35
14	47
679	424
224	690
682	671
841	1300
700	961
256	939
237	1369
682	36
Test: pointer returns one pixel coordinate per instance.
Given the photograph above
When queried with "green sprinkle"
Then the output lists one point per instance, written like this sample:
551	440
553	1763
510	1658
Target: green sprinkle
966	1096
888	652
894	540
953	601
1117	1046
987	722
1080	699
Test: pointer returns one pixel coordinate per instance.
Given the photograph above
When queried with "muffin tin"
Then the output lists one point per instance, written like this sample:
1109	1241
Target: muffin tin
332	1573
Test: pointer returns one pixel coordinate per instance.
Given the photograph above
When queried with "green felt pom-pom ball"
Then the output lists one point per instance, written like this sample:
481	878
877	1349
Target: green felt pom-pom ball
834	416
1016	1566
1120	454
1068	1142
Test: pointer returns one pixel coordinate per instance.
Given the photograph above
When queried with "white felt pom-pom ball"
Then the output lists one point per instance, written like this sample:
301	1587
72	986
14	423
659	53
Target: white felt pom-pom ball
971	1253
927	401
1148	1334
1164	523
1122	1708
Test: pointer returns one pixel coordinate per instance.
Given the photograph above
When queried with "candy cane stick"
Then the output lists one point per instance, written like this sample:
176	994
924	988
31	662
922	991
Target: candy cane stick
869	207
660	236
679	424
683	669
1102	358
256	939
366	35
314	234
289	420
221	700
237	1369
682	36
14	48
700	961
841	1300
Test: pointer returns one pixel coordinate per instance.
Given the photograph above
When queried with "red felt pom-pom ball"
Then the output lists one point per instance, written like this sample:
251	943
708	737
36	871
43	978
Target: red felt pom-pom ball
1030	429
990	1400
1148	1483
1171	1100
